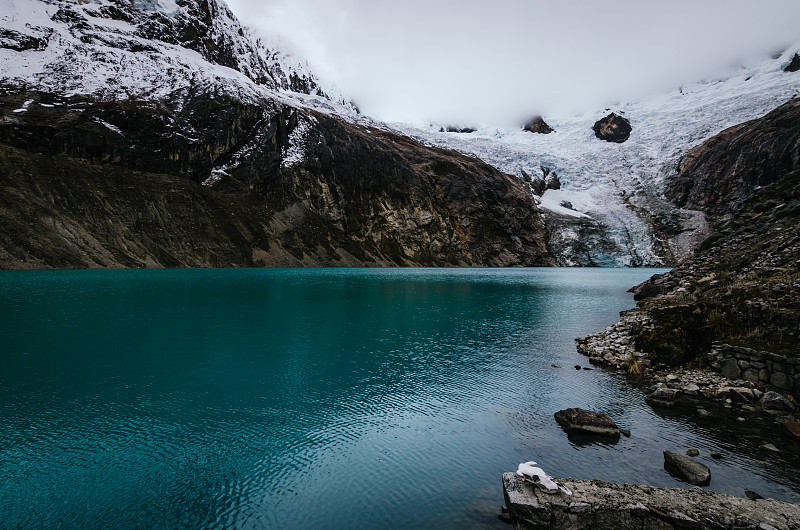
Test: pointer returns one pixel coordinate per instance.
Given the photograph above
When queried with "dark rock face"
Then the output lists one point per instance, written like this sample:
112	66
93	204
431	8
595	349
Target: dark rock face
587	421
740	288
794	64
687	469
36	39
58	212
718	175
646	290
329	192
613	128
537	125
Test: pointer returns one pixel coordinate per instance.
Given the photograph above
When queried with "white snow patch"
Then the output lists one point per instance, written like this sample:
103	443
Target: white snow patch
215	176
24	107
553	199
296	151
109	126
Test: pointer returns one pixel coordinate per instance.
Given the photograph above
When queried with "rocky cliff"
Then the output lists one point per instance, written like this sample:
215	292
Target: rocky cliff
163	134
742	286
720	174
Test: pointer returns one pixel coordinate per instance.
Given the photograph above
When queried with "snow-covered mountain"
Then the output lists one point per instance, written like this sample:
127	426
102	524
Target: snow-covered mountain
181	87
610	209
162	133
123	49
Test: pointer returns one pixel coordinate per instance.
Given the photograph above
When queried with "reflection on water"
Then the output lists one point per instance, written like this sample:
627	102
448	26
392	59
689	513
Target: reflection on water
330	398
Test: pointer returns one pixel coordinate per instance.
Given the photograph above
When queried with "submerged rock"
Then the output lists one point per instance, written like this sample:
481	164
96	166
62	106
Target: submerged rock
587	421
792	428
686	469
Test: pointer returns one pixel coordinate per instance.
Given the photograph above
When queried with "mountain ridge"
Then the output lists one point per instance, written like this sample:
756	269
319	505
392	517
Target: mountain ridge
321	190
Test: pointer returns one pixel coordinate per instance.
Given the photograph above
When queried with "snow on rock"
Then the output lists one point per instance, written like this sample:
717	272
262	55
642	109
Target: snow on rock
621	185
295	152
116	49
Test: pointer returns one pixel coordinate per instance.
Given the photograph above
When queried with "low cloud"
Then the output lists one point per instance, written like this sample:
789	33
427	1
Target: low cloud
477	62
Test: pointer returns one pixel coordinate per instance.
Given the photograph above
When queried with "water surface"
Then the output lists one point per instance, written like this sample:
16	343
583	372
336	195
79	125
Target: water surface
329	398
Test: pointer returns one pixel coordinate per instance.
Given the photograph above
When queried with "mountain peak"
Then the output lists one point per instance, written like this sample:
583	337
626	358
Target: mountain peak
140	48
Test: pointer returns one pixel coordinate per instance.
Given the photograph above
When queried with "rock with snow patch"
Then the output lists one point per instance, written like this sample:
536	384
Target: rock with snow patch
794	64
537	125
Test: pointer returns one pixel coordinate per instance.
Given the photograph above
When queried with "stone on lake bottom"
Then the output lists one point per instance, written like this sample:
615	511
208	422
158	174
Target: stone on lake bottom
692	452
792	428
686	469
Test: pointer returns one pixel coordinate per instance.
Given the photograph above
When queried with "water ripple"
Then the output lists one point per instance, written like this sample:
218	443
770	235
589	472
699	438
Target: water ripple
288	399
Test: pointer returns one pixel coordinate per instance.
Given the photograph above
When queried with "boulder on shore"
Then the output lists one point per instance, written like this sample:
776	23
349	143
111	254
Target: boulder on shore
686	469
774	403
664	397
598	504
587	421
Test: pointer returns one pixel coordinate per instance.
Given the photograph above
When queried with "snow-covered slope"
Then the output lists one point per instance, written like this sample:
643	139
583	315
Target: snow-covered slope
610	209
143	49
620	186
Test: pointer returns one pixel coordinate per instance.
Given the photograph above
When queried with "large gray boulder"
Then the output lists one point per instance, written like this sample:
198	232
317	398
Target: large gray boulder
587	421
686	469
774	403
664	397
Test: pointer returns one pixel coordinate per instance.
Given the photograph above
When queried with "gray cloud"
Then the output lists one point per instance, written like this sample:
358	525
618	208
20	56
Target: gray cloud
473	61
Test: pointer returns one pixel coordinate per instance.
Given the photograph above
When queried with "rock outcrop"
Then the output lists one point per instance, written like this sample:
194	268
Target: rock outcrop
598	504
304	185
355	196
613	128
794	64
725	322
537	125
719	175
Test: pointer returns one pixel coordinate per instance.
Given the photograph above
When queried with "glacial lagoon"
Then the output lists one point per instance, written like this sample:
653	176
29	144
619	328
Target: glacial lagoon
325	398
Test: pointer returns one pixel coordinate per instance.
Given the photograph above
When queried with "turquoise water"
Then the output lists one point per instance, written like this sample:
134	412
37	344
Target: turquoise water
327	398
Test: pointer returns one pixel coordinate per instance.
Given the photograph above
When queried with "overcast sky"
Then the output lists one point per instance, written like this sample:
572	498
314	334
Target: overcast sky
495	61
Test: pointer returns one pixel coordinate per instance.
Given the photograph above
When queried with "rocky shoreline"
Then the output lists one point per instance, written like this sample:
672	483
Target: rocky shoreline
598	504
703	384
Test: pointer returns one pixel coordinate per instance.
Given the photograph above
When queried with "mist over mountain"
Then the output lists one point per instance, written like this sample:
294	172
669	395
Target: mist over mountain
500	62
